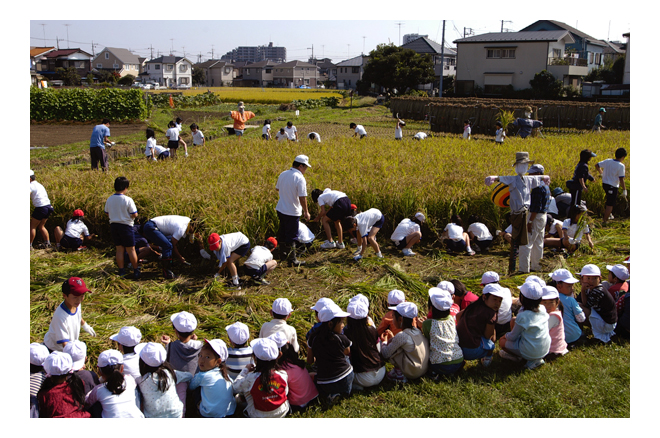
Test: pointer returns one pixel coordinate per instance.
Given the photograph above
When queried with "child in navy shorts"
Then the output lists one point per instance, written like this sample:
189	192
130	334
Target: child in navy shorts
42	210
121	211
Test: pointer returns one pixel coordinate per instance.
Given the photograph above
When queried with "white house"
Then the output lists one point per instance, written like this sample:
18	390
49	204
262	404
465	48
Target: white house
168	71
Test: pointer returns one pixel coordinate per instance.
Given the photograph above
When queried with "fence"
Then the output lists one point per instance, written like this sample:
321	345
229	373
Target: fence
448	114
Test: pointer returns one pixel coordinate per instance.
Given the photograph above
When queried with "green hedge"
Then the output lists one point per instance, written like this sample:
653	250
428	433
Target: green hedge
85	104
162	100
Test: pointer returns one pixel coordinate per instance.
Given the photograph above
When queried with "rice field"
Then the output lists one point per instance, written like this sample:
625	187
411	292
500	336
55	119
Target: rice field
258	95
230	185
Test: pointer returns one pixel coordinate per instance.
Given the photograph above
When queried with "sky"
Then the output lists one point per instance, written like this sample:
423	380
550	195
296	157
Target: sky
335	39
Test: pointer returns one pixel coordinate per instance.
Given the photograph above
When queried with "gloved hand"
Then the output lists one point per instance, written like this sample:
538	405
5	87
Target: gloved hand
205	254
186	155
88	328
625	194
490	180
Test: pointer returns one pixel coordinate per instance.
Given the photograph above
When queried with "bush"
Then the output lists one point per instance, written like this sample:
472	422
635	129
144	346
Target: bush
126	80
80	104
162	100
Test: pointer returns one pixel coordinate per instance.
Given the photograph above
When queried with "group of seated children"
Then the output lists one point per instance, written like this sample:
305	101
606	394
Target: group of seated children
154	151
346	351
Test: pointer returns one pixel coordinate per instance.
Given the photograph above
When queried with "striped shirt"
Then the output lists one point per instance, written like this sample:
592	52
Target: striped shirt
36	380
238	359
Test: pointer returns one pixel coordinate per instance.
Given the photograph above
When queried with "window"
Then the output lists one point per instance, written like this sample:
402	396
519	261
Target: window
184	80
356	69
500	53
107	55
115	66
591	58
269	70
247	72
183	67
556	53
170	67
157	66
99	65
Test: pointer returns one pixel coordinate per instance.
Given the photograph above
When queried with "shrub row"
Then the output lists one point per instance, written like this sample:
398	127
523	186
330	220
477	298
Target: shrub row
85	104
316	103
162	100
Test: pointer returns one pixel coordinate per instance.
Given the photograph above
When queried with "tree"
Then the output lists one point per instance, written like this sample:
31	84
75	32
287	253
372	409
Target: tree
198	76
69	76
126	80
393	67
545	86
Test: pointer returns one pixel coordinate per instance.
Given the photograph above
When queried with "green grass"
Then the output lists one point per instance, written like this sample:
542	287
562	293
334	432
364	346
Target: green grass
230	185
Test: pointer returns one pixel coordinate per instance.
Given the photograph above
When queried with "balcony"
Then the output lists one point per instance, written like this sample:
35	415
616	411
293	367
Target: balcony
561	67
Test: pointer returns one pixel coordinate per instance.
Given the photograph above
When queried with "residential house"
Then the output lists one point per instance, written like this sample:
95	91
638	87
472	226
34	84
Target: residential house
295	73
613	50
76	58
350	71
37	57
584	47
218	73
169	71
256	74
327	71
117	60
494	61
423	45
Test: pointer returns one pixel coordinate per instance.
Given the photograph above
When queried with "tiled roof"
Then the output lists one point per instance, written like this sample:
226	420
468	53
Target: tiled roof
519	37
36	51
353	62
425	45
123	55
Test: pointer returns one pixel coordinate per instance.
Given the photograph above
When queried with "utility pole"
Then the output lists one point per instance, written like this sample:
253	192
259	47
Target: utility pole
348	54
364	41
502	27
58	42
184	51
399	24
467	31
93	54
43	26
151	48
442	61
172	46
212	56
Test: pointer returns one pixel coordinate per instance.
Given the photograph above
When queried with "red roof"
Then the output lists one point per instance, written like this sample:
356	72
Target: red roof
64	52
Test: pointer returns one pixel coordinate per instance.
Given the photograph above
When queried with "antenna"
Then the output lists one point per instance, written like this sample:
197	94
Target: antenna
399	24
172	47
364	40
502	29
43	26
67	35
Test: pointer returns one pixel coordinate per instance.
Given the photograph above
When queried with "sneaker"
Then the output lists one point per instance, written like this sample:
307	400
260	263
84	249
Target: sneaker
234	287
357	258
168	275
80	248
611	217
471	253
397	376
122	272
340	245
532	364
260	280
407	252
137	274
358	251
486	361
328	245
508	356
379	255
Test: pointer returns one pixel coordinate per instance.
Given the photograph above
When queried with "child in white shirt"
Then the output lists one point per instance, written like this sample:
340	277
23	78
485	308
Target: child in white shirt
265	131
261	261
197	135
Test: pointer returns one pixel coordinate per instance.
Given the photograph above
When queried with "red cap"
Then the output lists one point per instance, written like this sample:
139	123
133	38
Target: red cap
78	212
76	286
214	241
353	207
272	240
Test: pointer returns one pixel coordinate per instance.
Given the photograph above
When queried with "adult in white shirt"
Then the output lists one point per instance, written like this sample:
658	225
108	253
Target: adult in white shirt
420	136
408	233
366	225
359	130
334	206
292	188
165	232
314	136
42	210
613	172
291	131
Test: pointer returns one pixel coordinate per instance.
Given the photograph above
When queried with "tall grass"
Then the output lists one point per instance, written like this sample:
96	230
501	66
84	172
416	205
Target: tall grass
259	95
